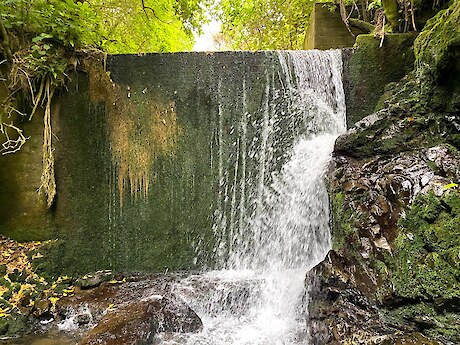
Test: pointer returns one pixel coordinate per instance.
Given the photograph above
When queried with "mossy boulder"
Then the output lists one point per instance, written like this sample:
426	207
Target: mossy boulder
427	261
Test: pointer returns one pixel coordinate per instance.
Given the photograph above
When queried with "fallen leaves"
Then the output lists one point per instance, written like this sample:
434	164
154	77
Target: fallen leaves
20	286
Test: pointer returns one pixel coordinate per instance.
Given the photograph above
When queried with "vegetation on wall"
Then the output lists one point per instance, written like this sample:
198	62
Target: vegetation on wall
42	41
275	24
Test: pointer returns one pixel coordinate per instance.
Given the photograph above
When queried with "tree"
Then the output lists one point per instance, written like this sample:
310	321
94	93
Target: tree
146	25
265	24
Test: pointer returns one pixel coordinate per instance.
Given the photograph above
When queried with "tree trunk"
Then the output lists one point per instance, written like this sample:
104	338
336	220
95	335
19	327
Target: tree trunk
391	13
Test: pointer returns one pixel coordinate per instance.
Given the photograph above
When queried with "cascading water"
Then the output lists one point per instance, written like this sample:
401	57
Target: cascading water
271	223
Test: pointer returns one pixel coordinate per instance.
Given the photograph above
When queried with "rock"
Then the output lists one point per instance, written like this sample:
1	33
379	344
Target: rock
382	243
132	325
84	319
93	280
174	315
41	307
138	322
383	265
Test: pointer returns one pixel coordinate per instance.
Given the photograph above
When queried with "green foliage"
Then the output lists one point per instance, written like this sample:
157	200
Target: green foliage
116	26
265	24
65	22
146	26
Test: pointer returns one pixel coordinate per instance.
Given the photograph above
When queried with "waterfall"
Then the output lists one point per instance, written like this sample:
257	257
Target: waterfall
271	221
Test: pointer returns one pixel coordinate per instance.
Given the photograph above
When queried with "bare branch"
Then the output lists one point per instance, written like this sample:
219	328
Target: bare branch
11	145
145	8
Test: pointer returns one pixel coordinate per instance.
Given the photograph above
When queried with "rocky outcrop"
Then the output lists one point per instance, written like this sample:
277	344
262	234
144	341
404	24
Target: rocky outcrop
394	269
393	275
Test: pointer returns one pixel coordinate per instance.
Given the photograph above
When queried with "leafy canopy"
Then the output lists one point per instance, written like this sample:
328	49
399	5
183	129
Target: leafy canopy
115	26
265	24
146	26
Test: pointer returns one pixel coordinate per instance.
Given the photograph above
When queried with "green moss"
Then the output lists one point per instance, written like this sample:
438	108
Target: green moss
426	264
371	69
14	325
427	318
343	229
408	132
51	269
433	46
384	286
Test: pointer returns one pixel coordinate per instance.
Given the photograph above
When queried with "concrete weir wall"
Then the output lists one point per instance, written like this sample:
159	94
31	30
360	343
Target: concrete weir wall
139	163
143	163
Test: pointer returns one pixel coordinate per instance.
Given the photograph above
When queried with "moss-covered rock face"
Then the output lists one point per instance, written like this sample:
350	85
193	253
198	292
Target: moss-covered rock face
368	70
427	262
438	41
395	229
393	276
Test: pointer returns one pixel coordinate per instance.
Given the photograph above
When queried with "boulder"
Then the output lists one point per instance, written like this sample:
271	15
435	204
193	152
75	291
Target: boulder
138	322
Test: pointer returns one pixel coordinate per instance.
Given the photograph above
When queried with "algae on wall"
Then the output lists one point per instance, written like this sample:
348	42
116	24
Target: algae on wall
369	69
140	130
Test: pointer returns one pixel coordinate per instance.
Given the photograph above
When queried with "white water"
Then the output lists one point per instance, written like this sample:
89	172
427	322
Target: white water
272	225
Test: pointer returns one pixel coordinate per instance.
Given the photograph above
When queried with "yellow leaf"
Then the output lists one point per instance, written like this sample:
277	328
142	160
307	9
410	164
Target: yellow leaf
53	300
110	307
450	185
37	256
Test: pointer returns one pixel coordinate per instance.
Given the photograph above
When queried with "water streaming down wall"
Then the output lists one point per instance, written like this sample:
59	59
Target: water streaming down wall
274	214
272	220
204	161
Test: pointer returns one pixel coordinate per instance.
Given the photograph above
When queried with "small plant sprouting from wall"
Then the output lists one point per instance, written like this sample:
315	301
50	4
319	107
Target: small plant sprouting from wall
140	129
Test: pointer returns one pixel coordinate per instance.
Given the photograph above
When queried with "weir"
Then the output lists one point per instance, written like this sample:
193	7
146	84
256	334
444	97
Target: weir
210	162
176	165
272	225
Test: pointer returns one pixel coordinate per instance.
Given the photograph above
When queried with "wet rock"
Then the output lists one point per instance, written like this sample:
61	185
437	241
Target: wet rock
41	307
382	243
93	280
84	319
174	315
138	322
382	265
132	325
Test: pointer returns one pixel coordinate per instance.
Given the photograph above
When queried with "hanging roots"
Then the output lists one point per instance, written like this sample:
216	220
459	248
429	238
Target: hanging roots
39	89
11	145
48	181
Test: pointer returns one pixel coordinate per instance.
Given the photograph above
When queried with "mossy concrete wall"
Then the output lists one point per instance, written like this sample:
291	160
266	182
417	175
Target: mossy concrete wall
326	29
23	211
143	163
370	66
